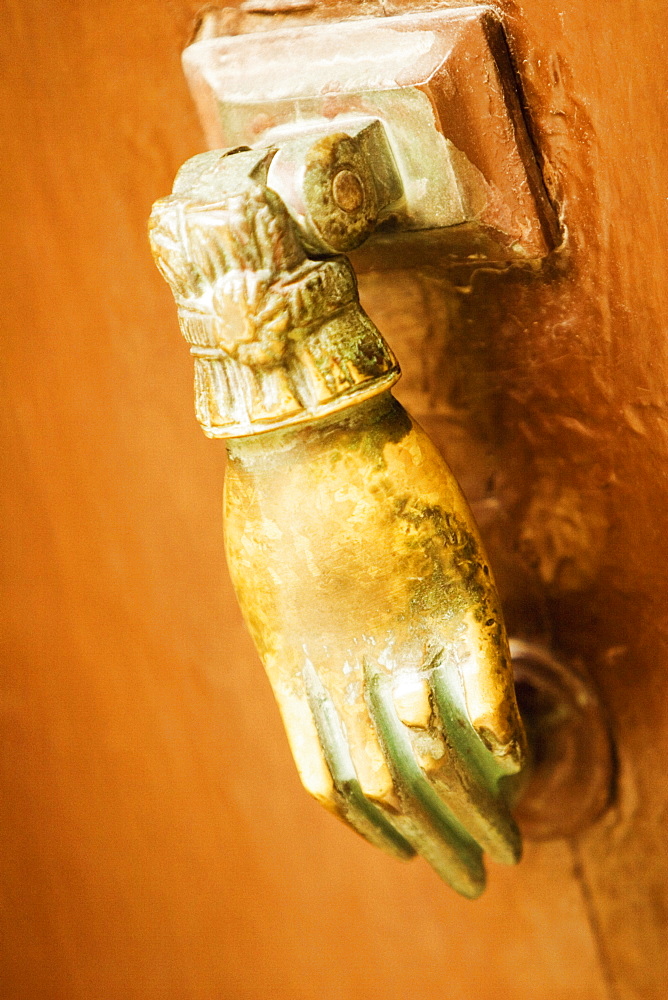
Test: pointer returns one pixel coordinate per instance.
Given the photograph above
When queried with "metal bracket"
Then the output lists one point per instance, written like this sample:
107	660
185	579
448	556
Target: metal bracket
442	86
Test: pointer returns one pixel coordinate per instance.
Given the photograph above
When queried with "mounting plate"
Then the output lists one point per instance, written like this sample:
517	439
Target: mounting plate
442	85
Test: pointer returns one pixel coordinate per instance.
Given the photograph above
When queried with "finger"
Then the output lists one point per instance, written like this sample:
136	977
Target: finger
436	833
470	621
484	665
362	814
474	789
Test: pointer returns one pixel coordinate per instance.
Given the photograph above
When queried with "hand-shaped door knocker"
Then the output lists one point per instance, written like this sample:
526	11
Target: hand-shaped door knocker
355	558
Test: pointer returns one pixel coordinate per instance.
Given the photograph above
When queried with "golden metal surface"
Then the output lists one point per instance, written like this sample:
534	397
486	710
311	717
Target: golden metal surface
355	557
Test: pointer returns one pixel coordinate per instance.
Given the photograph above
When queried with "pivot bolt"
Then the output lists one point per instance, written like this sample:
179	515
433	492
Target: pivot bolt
347	191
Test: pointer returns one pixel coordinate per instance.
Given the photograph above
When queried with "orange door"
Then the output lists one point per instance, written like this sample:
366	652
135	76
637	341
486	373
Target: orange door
156	843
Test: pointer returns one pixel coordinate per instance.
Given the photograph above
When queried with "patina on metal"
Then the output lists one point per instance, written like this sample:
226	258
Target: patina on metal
355	557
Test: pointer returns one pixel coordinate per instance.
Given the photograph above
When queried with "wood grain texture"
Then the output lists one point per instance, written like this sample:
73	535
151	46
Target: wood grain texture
156	841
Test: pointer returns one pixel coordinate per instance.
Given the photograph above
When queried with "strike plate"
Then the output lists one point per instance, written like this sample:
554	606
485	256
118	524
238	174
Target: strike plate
443	87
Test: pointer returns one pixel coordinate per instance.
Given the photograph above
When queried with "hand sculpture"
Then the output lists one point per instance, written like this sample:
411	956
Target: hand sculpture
355	558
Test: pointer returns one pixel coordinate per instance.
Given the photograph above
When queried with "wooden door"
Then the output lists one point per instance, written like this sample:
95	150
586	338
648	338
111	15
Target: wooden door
156	843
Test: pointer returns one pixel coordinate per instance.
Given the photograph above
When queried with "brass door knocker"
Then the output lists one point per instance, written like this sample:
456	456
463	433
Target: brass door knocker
355	558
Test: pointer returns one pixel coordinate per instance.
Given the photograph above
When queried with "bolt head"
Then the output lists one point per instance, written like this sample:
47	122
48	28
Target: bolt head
347	191
339	193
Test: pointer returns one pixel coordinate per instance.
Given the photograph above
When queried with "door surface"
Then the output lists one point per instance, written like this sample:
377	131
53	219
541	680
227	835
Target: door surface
156	843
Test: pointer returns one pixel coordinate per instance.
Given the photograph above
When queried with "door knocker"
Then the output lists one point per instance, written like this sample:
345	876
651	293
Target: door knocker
356	560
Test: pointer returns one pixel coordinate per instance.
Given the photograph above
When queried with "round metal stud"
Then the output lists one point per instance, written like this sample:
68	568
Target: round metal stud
570	779
339	192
